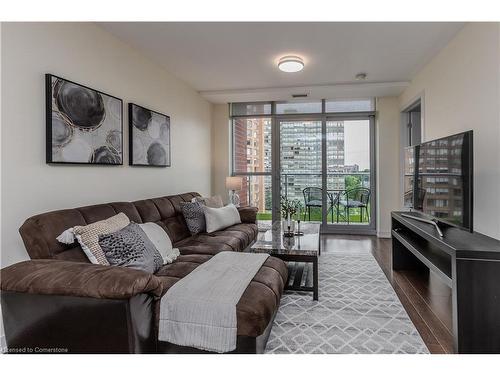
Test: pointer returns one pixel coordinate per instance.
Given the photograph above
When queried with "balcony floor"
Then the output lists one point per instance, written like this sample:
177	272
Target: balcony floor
316	217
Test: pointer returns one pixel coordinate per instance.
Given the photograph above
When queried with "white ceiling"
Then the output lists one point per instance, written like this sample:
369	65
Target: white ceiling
237	61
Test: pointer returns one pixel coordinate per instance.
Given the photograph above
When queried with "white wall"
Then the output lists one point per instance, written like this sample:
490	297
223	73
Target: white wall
221	150
388	162
87	54
461	91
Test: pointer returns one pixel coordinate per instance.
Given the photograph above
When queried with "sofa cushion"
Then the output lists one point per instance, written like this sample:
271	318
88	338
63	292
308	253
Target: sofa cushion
259	301
194	247
214	202
235	243
88	236
40	232
63	278
194	216
221	218
158	236
248	214
130	247
245	232
235	238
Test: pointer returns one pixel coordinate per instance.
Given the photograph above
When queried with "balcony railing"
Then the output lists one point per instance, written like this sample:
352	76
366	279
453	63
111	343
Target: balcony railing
293	185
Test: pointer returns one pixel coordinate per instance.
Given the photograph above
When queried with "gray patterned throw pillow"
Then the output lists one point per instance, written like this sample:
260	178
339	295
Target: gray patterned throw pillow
130	247
194	216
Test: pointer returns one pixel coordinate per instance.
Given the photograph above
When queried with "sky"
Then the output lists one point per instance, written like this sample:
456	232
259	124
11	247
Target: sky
357	143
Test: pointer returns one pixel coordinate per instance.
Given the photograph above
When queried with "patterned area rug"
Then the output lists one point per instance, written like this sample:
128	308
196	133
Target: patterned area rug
357	312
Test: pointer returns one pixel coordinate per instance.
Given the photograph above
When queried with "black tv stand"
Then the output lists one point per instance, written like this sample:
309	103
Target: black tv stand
469	263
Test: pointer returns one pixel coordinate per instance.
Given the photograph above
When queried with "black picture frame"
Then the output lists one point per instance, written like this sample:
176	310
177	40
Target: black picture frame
149	147
107	137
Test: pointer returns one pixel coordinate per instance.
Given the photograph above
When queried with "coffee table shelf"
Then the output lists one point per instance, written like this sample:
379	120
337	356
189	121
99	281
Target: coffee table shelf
300	276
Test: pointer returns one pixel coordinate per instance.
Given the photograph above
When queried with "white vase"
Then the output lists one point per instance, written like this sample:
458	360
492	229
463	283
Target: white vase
286	223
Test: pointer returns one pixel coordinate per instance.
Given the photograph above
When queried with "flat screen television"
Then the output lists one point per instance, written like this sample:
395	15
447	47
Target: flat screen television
438	179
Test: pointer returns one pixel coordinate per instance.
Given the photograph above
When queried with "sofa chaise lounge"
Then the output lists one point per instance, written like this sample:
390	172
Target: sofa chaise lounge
58	301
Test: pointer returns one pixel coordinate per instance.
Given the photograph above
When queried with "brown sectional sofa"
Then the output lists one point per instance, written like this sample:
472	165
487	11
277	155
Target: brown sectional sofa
59	300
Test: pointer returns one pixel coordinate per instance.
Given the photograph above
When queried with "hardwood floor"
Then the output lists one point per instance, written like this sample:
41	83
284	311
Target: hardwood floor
426	299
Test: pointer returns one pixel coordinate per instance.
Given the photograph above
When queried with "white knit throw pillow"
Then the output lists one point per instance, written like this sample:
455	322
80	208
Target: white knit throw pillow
221	218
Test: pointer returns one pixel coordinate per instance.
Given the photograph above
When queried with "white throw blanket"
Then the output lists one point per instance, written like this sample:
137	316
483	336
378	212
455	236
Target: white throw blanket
200	310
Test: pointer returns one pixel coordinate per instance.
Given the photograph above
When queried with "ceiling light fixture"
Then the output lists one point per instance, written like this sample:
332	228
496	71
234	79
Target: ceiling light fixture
290	64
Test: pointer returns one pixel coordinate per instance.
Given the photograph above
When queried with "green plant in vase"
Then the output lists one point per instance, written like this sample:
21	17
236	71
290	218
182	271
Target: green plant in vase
289	208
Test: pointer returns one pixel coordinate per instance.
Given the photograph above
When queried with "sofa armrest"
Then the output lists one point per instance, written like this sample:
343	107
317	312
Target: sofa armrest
248	214
57	277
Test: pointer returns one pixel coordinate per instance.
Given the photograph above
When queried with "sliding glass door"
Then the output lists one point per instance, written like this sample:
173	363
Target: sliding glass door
349	173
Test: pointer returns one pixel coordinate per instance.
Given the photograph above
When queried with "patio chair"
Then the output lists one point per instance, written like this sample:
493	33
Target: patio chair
356	198
313	197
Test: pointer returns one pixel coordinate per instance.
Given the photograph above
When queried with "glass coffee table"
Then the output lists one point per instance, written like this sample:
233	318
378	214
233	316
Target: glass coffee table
298	251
